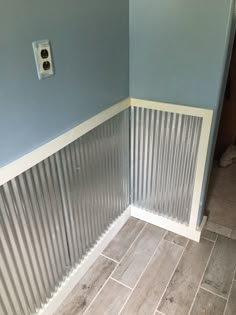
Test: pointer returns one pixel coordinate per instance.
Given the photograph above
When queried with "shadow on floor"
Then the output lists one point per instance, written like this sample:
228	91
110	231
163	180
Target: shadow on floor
221	201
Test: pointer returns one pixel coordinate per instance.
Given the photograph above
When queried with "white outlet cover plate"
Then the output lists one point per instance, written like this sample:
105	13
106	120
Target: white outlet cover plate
38	46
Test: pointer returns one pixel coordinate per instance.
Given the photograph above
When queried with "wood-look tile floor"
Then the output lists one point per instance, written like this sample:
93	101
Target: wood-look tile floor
147	270
221	201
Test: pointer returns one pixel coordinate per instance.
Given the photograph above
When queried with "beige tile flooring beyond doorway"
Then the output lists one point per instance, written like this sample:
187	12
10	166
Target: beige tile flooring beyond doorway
221	201
147	270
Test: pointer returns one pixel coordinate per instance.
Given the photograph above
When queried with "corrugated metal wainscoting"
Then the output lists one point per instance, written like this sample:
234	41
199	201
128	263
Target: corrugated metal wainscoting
54	213
164	149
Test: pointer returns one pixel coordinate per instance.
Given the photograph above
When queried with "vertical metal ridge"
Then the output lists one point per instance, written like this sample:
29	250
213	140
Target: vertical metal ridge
164	148
54	213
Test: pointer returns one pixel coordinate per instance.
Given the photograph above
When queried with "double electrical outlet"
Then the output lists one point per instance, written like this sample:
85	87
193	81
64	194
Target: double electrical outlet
43	58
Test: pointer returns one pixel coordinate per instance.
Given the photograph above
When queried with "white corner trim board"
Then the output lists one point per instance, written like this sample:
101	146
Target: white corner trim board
206	115
168	224
27	161
73	279
200	167
172	108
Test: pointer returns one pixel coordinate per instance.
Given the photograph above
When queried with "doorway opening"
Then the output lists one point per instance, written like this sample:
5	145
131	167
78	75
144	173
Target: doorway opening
221	198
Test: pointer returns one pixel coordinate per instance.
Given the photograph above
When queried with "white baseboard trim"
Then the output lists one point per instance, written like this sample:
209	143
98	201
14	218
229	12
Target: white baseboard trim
27	161
70	282
168	224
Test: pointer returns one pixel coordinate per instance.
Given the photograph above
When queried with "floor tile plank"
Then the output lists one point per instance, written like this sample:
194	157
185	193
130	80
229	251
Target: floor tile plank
222	211
176	239
122	241
220	271
219	229
110	300
211	236
231	307
138	256
184	284
207	303
222	186
87	288
151	286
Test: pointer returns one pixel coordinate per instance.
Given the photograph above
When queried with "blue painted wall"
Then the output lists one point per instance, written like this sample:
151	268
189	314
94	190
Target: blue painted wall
179	51
217	112
90	44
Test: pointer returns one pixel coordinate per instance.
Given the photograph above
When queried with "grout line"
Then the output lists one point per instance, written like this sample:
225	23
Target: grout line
217	228
171	276
204	271
99	291
227	302
142	273
183	247
131	245
116	261
220	296
205	238
114	270
125	285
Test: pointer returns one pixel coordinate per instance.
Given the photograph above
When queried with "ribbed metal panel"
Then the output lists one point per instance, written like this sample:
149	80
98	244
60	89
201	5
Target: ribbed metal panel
34	251
52	215
94	176
164	149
